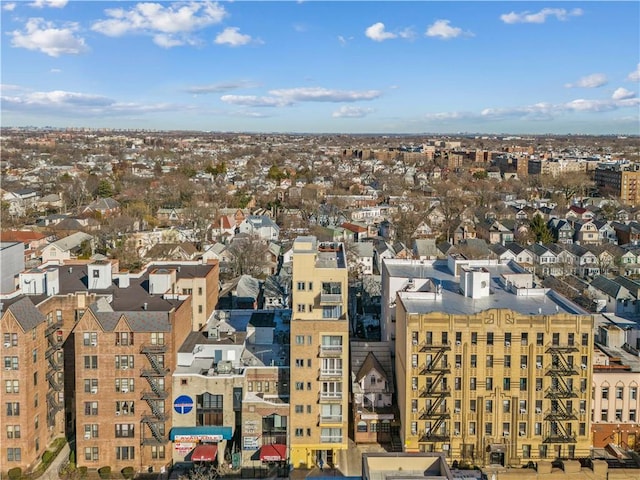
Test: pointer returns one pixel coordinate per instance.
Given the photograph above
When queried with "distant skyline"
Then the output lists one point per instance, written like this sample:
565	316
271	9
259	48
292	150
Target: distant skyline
323	67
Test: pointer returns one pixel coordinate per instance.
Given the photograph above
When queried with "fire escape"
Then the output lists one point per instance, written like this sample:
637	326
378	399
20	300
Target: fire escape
54	373
561	390
155	396
435	392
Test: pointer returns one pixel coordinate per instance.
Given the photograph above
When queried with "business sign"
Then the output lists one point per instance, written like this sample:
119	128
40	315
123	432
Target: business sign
377	416
250	426
250	443
198	438
183	447
183	404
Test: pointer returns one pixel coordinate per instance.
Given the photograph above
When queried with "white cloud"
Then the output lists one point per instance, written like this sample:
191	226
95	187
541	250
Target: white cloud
220	87
168	25
55	70
45	37
254	101
49	3
635	75
351	112
8	87
344	40
541	16
231	36
9	7
377	33
407	33
594	80
285	97
442	29
622	94
72	104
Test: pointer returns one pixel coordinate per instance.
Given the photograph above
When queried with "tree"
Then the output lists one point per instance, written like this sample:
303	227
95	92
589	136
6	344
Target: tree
104	190
249	256
540	229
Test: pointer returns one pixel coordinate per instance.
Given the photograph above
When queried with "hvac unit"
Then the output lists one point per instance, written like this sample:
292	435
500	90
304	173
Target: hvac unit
94	390
523	411
507	344
538	410
87	435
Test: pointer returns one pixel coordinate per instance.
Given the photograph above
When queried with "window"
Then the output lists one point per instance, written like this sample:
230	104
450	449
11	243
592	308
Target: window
539	339
299	408
13	409
414	338
34	355
489	361
472	405
604	414
157	338
157	451
633	393
90	339
474	361
488	428
12	386
128	408
299	362
507	361
543	451
302	308
632	415
124	338
472	383
618	415
489	383
619	392
35	378
11	363
457	383
124	362
524	361
91	385
199	308
299	386
13	431
209	409
524	338
91	454
301	286
585	339
334	311
299	432
507	339
474	338
523	384
126	385
506	383
91	408
125	453
14	455
526	451
506	406
91	430
91	361
125	430
488	406
458	338
299	339
489	338
472	428
605	392
570	339
199	290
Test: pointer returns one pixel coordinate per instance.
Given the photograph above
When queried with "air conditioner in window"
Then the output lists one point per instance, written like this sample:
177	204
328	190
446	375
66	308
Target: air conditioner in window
507	344
117	414
124	390
94	344
414	410
7	345
522	433
458	342
538	365
584	366
582	411
94	390
505	434
538	389
457	365
456	410
7	368
456	433
523	411
538	410
87	435
124	367
523	365
415	387
414	341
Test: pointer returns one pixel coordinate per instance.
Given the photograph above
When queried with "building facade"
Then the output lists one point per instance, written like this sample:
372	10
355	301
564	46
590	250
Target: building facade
318	418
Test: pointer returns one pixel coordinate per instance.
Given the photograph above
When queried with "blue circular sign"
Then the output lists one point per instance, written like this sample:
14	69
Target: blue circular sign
183	404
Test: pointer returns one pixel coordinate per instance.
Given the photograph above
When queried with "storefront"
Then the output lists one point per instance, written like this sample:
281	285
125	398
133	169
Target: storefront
199	444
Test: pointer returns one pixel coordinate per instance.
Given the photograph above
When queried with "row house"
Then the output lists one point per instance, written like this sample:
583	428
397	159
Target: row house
627	233
494	232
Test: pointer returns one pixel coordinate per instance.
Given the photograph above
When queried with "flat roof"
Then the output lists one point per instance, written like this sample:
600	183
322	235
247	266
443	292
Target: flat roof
537	301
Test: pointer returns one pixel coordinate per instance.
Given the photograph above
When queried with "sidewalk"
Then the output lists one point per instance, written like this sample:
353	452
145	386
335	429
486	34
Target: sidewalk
51	473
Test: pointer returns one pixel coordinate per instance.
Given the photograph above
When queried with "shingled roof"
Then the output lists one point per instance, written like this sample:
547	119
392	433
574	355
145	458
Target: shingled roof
26	314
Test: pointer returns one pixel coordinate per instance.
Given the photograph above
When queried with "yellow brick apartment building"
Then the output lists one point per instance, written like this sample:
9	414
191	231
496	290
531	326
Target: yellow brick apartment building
319	355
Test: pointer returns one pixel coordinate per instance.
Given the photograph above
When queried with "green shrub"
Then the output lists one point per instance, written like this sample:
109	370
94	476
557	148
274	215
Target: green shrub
128	472
72	456
15	473
47	456
104	472
82	471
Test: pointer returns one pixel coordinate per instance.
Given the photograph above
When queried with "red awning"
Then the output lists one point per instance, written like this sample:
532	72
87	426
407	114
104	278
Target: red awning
276	452
204	453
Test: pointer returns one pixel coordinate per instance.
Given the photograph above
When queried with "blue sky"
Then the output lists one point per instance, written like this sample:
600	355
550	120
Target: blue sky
347	67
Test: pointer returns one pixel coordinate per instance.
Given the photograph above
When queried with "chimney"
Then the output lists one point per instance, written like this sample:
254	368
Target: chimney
144	305
123	282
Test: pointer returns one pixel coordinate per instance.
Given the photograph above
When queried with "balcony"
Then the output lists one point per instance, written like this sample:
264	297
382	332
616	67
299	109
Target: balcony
330	299
331	350
330	438
330	396
329	419
51	328
330	374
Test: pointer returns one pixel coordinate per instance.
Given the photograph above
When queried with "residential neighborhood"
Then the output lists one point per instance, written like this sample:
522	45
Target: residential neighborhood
271	304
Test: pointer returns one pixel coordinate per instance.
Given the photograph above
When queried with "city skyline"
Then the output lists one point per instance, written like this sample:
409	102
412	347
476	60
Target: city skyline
313	67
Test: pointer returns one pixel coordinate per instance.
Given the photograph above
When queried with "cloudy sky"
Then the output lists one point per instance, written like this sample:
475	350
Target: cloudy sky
310	66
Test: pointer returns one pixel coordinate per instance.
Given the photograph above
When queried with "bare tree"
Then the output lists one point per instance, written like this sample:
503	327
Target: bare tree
249	256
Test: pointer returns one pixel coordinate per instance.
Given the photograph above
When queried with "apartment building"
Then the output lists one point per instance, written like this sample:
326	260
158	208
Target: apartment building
621	180
490	369
318	417
88	352
616	381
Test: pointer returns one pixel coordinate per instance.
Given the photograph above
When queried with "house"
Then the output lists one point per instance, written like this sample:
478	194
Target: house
523	256
20	200
423	230
363	253
502	253
33	242
627	233
169	215
354	232
562	230
105	207
277	292
172	251
67	248
586	233
586	262
261	226
577	213
494	232
612	297
425	249
544	260
606	231
372	387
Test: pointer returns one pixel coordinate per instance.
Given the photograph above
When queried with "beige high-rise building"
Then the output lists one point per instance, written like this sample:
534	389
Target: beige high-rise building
318	418
490	369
